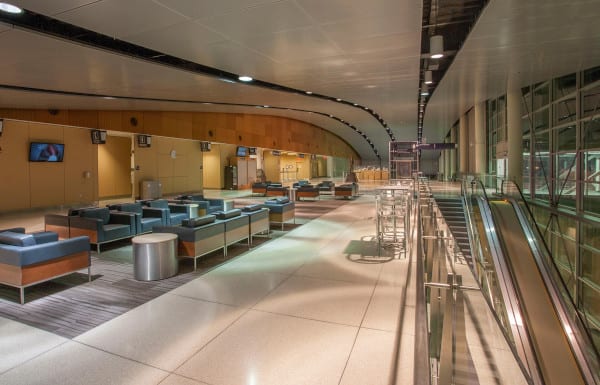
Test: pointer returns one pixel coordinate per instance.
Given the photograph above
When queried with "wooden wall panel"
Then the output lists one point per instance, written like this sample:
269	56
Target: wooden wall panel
114	167
211	164
272	167
271	132
14	166
81	165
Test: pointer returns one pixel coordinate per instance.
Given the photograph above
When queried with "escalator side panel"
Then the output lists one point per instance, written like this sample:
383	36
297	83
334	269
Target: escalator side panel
555	358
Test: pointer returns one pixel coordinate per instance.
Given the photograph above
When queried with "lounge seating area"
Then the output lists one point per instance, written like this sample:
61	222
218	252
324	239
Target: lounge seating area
346	191
29	259
281	210
307	191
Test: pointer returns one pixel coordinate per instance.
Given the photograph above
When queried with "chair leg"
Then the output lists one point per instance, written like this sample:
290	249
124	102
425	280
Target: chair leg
22	295
195	259
89	273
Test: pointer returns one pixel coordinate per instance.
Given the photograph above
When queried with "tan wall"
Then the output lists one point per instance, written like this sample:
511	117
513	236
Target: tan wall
28	184
212	167
179	171
271	167
114	167
239	129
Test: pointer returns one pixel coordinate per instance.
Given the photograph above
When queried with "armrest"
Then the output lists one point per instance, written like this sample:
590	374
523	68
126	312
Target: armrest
151	212
94	224
123	218
56	219
178	208
216	202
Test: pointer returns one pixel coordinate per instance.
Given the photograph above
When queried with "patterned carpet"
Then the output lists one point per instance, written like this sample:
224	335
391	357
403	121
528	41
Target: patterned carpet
70	305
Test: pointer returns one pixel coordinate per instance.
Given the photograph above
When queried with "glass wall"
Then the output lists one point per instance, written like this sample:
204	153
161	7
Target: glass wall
561	176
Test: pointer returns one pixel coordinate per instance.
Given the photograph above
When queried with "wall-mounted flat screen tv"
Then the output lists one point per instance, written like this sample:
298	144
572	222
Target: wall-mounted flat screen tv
46	152
242	151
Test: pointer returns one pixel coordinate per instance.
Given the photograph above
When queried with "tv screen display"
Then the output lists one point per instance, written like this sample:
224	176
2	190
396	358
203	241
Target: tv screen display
46	152
242	151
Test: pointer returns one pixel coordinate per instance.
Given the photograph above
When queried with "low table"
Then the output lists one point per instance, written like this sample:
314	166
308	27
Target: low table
154	256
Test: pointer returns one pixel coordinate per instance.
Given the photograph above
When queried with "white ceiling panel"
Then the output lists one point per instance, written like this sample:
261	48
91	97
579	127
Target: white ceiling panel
196	9
337	10
244	24
53	7
515	42
296	44
191	39
119	18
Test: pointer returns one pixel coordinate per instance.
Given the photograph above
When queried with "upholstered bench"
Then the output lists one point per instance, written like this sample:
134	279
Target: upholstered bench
281	210
307	191
348	191
258	219
29	259
236	227
273	191
197	236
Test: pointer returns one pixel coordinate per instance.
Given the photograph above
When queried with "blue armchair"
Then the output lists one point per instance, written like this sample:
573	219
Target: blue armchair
172	213
209	205
102	226
145	217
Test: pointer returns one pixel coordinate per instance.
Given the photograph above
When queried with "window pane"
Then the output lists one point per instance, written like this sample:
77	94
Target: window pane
591	236
591	301
591	198
542	142
591	166
564	86
541	96
590	265
567	138
566	178
540	119
591	75
591	101
565	111
591	134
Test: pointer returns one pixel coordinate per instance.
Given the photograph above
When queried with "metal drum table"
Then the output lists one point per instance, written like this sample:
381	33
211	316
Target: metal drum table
154	256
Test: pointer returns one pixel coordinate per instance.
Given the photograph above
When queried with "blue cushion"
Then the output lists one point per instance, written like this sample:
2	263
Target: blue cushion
200	221
102	213
130	207
17	239
159	203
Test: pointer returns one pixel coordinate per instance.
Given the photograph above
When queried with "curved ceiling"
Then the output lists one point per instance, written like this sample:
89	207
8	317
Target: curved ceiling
362	52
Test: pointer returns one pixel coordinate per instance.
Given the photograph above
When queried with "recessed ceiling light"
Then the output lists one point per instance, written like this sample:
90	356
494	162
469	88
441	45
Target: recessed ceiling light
229	80
338	99
245	78
424	92
108	97
309	92
356	104
371	86
10	8
265	106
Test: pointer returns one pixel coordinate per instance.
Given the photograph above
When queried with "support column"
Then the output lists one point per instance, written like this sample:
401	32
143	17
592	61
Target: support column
479	139
463	146
514	135
452	162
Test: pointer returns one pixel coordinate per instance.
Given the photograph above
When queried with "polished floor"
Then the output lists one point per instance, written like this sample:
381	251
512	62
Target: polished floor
310	307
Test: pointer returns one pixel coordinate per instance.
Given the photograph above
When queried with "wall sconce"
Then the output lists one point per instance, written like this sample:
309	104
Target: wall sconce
87	175
436	46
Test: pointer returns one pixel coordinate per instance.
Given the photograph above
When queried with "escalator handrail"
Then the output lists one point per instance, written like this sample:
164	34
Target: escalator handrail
520	331
575	330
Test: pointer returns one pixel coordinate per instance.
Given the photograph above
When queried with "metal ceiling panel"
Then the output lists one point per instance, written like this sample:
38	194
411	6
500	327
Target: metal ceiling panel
515	42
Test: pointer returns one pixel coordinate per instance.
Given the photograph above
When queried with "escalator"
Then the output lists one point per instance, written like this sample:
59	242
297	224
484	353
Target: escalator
556	362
